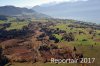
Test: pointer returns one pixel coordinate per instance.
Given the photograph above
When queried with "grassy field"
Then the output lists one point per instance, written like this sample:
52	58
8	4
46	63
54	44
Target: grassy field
79	38
43	64
17	25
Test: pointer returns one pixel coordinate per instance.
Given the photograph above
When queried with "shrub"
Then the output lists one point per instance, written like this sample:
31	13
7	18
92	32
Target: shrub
84	39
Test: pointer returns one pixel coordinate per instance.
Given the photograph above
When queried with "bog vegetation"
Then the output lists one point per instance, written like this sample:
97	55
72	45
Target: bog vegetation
37	40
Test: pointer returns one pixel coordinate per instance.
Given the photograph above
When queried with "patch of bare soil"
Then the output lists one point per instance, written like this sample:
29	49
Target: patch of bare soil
97	40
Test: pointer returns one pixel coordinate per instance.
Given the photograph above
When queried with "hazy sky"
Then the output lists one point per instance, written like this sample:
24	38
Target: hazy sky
24	3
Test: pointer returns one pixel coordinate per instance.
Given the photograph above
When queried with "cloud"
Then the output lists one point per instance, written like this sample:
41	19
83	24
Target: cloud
58	1
41	2
24	3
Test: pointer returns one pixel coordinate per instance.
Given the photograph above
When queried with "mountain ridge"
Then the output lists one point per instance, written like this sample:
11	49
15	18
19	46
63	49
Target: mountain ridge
18	11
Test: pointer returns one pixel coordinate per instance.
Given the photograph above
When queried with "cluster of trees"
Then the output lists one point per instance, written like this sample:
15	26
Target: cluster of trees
4	34
68	37
3	59
5	25
53	37
41	37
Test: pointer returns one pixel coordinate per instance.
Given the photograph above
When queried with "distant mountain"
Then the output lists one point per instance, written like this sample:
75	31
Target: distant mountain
17	11
81	10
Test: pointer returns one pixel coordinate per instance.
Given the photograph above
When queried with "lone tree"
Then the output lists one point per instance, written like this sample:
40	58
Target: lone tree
75	48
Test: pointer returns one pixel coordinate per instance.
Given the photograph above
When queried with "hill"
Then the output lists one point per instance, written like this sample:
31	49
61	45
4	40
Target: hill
17	11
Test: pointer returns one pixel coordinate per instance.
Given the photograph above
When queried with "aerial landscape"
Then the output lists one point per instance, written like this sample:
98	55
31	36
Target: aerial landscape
49	33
